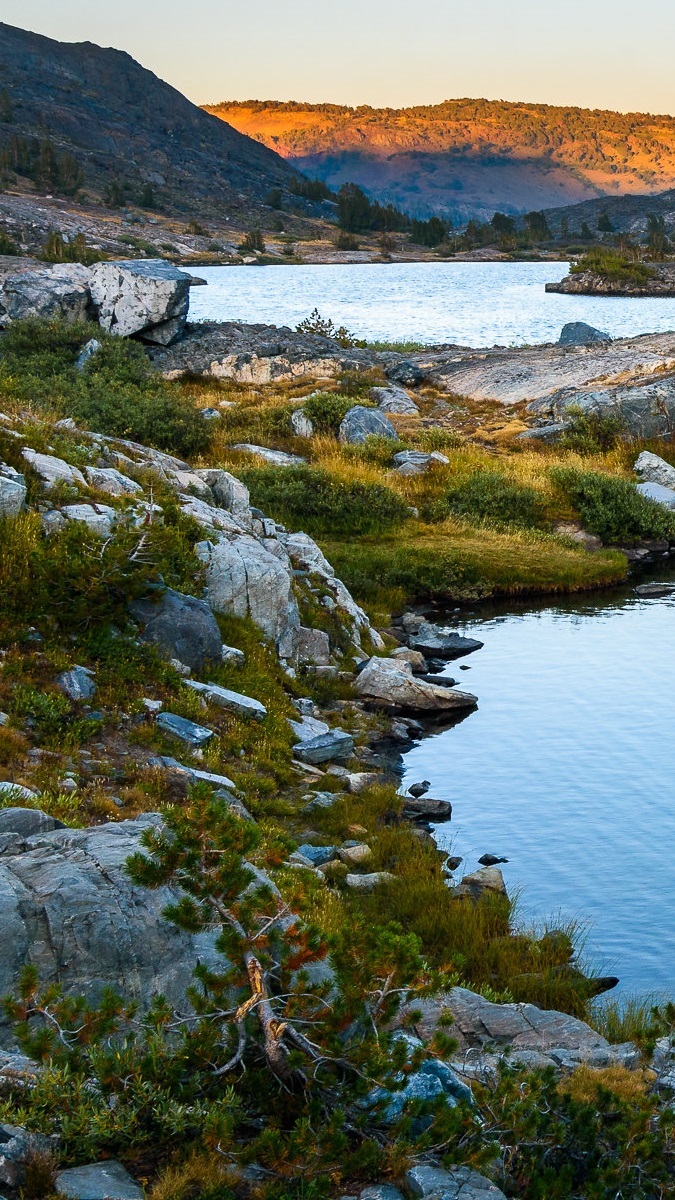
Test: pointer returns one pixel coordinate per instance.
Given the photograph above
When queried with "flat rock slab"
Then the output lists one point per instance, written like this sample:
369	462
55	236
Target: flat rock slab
245	706
99	1181
427	809
325	746
457	1183
27	821
275	458
511	375
187	731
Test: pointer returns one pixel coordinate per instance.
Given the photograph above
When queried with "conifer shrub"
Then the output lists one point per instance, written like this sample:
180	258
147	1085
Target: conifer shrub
612	508
318	502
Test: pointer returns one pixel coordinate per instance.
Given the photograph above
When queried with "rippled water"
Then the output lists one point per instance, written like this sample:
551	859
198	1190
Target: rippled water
567	769
471	304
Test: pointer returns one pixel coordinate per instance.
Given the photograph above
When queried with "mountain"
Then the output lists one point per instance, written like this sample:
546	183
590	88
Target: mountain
78	117
468	158
627	214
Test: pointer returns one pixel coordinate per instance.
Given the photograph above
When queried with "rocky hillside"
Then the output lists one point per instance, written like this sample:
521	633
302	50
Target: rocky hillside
76	117
468	158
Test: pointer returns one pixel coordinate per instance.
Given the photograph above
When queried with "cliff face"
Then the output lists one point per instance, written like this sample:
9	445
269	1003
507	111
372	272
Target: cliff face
467	158
123	124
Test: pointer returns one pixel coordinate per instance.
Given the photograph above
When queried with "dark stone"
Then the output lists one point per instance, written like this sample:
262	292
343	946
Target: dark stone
361	423
578	333
428	809
181	627
407	373
27	822
434	642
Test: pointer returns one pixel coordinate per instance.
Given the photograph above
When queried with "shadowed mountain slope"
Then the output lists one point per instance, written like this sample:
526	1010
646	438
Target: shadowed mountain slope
124	128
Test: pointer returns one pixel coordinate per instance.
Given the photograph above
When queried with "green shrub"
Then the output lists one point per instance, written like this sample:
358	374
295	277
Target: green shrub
118	393
326	410
490	497
592	433
57	250
613	508
612	266
316	501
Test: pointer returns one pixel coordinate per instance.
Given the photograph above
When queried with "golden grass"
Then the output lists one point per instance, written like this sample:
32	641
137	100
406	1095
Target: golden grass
585	1084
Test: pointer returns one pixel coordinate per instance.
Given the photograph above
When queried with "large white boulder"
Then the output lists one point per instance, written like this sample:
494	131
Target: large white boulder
149	297
57	291
653	469
244	579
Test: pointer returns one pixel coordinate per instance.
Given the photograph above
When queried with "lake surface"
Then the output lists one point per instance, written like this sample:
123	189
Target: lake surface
567	769
470	304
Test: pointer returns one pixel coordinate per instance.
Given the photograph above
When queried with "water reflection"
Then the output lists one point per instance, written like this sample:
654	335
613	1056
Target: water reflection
565	767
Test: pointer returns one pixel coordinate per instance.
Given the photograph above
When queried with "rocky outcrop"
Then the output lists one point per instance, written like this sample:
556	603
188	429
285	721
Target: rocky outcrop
257	354
390	683
246	579
526	1035
511	375
149	297
644	409
68	908
657	280
182	627
58	291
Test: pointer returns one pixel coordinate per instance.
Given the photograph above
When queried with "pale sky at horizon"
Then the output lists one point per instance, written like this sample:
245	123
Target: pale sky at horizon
595	53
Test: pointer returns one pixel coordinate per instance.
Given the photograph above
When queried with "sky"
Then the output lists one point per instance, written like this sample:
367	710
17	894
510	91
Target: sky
592	53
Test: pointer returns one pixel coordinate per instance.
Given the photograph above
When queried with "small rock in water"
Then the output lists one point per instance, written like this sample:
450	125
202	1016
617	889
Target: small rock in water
654	590
491	860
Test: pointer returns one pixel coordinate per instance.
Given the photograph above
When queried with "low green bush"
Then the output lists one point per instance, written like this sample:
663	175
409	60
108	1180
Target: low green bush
326	410
117	393
318	502
488	496
613	266
612	508
592	432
